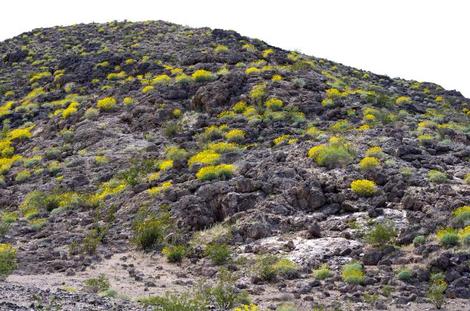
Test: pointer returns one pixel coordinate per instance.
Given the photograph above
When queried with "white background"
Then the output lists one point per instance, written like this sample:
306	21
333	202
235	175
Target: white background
424	40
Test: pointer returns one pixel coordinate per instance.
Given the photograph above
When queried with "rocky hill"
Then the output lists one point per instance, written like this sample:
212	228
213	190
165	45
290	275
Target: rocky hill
152	166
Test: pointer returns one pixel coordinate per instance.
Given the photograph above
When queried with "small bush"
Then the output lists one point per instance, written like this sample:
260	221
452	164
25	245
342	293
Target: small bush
437	177
176	113
171	128
353	273
147	89
274	104
149	234
436	290
174	253
269	267
221	171
235	135
374	152
323	272
220	48
364	187
218	253
466	179
331	155
462	214
404	275
202	75
258	92
91	113
22	176
403	100
162	79
369	163
106	104
98	284
7	260
176	153
128	101
174	302
381	234
70	110
419	240
448	237
204	157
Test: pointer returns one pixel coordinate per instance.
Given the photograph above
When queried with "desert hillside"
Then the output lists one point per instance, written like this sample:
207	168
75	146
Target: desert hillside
152	166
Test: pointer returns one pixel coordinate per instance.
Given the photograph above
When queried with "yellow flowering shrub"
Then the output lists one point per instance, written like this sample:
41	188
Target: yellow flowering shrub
165	165
235	135
204	157
106	104
403	100
375	151
267	52
250	307
128	101
109	188
369	163
158	189
252	70
239	107
70	110
221	171
147	89
202	75
220	48
274	104
223	147
364	187
39	76
279	140
5	109
161	79
276	78
258	91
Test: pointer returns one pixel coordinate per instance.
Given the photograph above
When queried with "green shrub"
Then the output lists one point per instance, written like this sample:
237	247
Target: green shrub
364	187
331	155
22	176
381	234
437	177
353	273
274	104
218	253
149	234
419	240
171	128
106	104
220	48
176	153
404	275
466	179
448	237
221	171
269	267
98	284
91	113
174	253
9	217
235	135
462	214
7	260
323	272
174	302
436	290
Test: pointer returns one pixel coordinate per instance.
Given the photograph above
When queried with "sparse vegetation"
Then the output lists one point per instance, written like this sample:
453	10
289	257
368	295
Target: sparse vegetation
353	273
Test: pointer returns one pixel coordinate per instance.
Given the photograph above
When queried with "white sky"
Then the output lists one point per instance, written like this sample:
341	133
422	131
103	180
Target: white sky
424	40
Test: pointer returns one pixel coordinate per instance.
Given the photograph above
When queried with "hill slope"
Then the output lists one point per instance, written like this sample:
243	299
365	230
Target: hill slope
127	145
